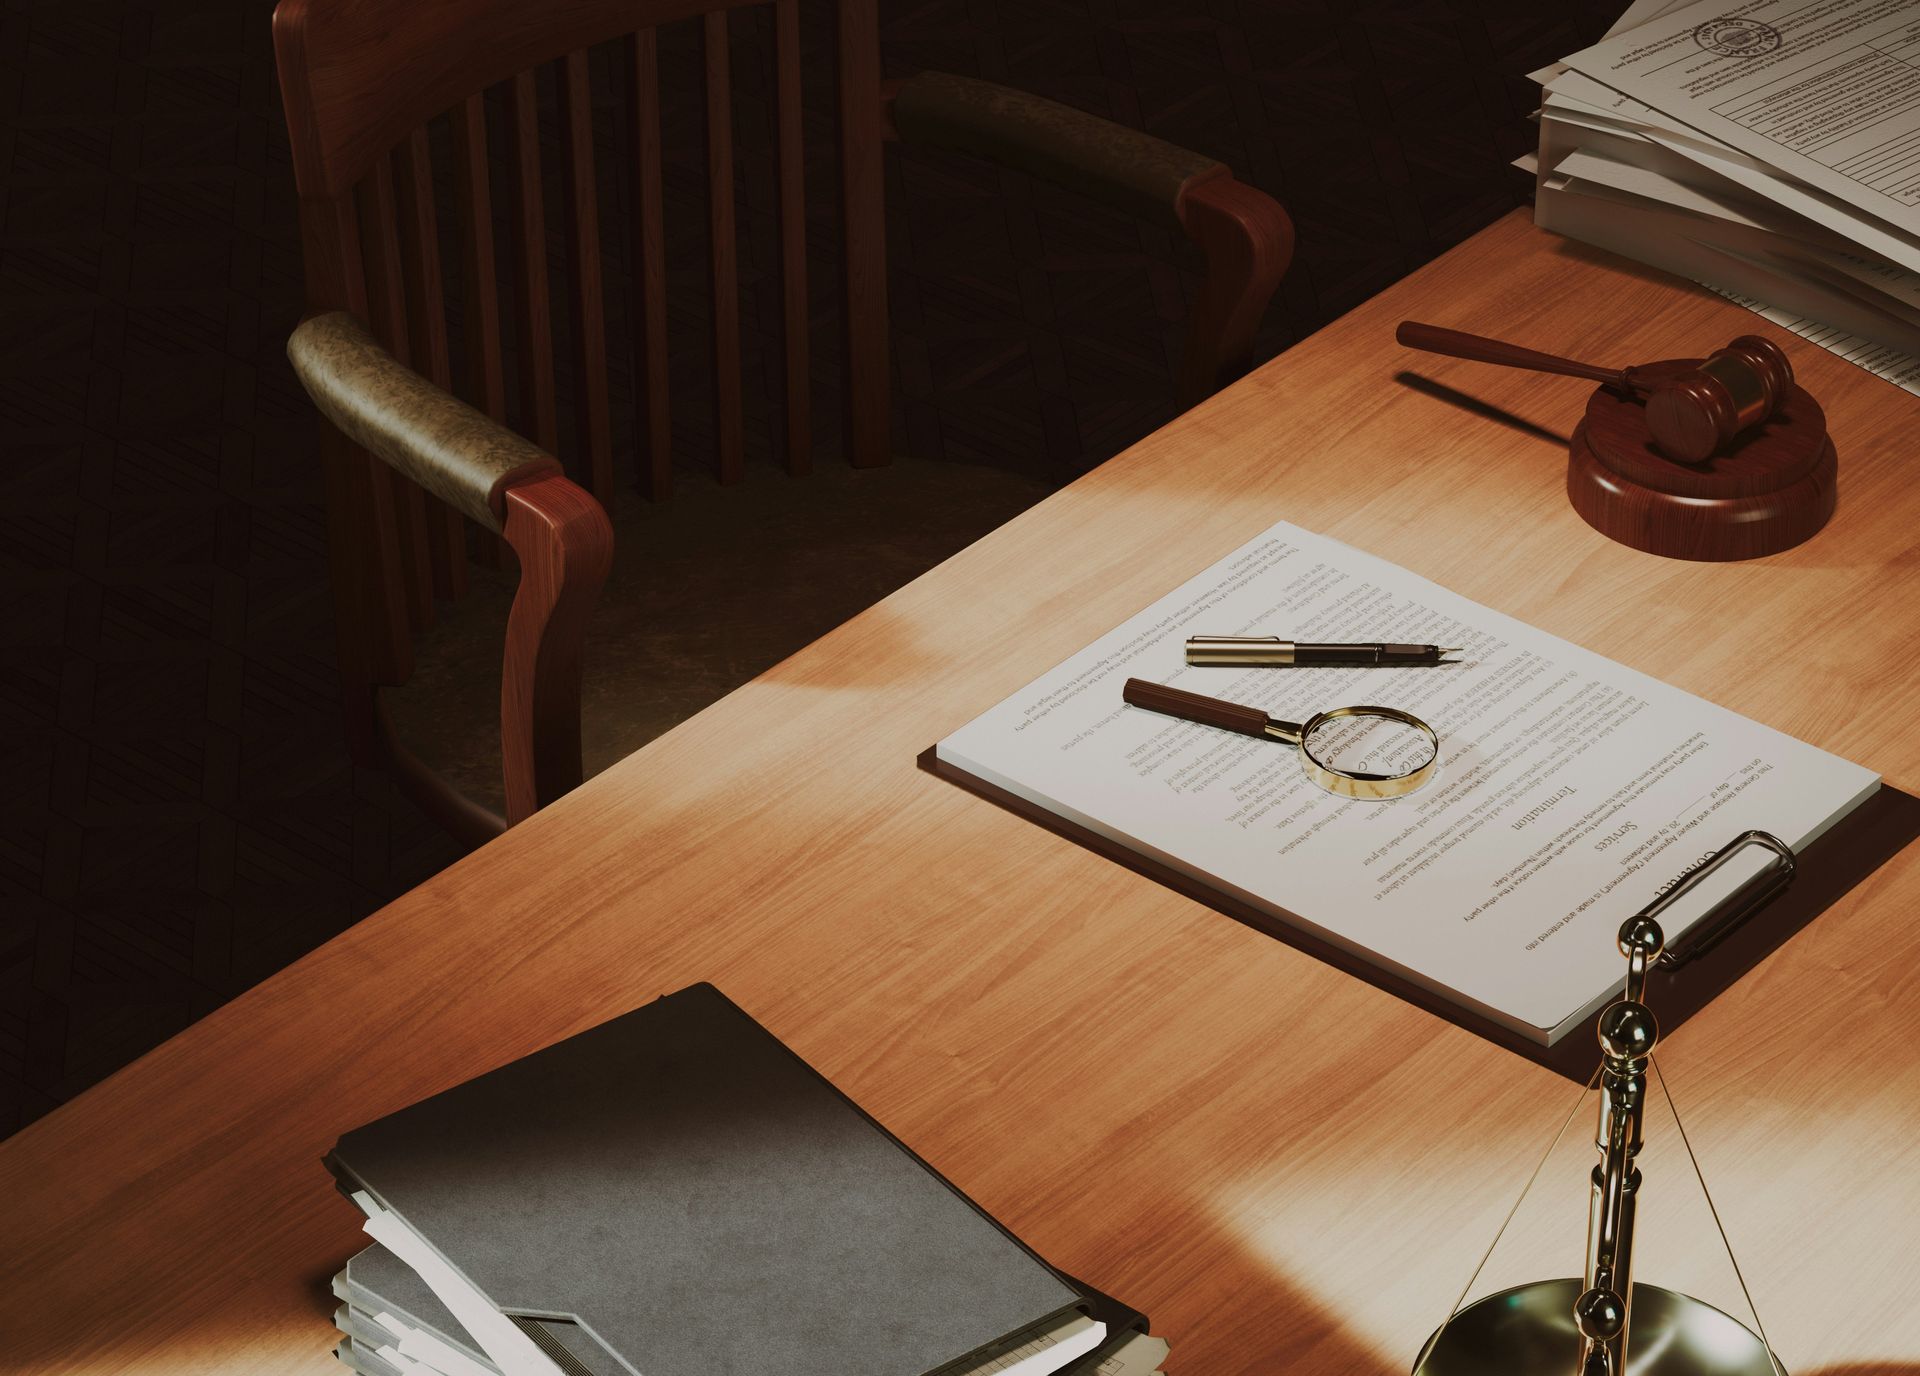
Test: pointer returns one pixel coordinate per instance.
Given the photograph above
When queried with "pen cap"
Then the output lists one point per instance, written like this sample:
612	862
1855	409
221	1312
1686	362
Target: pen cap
1239	649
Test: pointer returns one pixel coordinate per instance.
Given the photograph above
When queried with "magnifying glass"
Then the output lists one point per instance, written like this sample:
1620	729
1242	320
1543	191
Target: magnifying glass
1356	752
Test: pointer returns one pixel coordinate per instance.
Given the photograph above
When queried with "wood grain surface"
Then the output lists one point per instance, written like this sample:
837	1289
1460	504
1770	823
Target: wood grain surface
1289	1170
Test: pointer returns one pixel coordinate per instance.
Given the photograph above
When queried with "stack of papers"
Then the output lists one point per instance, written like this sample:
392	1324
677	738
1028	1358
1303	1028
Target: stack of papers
1772	154
391	1324
675	1192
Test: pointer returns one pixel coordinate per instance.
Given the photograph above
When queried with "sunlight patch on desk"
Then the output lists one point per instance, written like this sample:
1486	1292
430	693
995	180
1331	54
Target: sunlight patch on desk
1381	1231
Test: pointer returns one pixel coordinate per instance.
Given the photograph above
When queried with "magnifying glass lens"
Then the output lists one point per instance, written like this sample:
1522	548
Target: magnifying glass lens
1368	746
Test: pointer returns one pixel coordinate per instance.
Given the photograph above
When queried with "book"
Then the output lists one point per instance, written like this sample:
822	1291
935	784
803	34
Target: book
676	1192
1570	790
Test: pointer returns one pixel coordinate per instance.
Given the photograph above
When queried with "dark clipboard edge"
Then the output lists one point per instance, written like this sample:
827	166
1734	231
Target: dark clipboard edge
1853	848
1120	1319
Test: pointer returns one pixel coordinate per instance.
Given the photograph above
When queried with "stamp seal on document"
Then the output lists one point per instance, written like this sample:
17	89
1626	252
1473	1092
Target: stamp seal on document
1737	37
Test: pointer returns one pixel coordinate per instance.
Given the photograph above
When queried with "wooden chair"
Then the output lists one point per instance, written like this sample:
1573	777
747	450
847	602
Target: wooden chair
409	466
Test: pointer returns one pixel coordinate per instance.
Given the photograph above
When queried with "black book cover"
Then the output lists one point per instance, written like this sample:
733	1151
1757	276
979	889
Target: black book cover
701	1202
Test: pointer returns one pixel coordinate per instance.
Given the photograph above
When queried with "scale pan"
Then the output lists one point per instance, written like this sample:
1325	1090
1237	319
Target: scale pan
1530	1329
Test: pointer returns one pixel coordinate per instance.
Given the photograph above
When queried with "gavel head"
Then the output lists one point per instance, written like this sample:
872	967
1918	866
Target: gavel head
1700	413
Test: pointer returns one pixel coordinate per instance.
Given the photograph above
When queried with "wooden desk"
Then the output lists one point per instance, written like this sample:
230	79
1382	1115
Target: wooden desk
1287	1169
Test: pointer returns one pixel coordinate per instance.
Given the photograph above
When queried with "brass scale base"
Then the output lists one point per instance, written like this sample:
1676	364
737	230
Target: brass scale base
1530	1329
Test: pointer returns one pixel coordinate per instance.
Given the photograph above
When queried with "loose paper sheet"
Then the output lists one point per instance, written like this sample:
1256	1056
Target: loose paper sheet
1139	1355
1893	365
423	1349
1571	789
1046	1350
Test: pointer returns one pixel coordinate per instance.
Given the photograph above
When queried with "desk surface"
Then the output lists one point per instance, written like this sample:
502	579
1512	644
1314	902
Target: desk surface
1286	1168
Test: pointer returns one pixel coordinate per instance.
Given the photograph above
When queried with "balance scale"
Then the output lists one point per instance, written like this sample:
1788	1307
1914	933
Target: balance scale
1582	1326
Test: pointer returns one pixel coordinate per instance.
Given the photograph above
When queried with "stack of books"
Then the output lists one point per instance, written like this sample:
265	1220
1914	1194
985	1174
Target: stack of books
1764	154
676	1193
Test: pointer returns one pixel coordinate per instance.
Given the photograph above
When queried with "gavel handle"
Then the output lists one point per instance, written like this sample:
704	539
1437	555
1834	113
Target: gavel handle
1459	344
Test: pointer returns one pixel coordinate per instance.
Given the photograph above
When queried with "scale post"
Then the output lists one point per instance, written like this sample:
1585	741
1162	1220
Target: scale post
1582	1326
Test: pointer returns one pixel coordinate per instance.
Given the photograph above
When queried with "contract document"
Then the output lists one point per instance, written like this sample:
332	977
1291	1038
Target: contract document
1571	790
1826	92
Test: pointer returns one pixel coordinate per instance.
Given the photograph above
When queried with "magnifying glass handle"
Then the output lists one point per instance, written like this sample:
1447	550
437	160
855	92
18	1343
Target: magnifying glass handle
1177	702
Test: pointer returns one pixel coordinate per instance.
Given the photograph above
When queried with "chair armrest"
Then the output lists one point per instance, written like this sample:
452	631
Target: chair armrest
461	456
1124	167
1244	233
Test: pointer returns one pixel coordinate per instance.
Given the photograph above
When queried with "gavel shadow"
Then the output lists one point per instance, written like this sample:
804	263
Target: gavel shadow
1486	410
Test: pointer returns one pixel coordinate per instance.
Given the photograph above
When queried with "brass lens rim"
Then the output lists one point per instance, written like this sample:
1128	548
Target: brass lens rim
1355	784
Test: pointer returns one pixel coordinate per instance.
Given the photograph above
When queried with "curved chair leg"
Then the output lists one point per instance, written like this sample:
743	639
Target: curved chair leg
565	546
1248	241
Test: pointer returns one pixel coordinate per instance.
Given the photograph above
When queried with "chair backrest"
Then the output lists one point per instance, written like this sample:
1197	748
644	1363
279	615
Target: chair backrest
364	82
394	108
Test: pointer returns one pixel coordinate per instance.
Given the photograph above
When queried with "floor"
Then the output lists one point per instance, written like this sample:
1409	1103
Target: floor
707	591
182	818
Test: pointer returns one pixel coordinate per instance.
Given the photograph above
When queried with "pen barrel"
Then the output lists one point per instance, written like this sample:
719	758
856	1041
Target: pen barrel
1306	654
1195	707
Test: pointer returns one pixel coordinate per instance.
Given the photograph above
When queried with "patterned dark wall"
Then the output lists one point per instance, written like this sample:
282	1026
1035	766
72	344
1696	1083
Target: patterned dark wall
180	816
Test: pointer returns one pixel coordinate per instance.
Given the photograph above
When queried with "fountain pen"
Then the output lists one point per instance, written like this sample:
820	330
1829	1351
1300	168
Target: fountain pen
1249	650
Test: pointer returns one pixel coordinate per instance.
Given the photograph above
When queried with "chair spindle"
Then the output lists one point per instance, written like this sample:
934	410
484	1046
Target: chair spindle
725	251
387	315
861	172
583	262
427	315
533	312
793	232
650	265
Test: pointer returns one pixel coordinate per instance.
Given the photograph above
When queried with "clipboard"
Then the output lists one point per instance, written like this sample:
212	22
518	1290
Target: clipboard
1719	949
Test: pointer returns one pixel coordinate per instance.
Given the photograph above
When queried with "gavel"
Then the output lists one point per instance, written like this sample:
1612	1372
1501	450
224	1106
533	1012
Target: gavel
1692	414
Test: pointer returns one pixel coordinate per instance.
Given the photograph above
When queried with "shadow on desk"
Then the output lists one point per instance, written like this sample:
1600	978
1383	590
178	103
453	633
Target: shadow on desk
1486	410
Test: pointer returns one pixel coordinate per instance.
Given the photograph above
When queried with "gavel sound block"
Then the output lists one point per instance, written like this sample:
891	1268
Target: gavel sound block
1712	459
